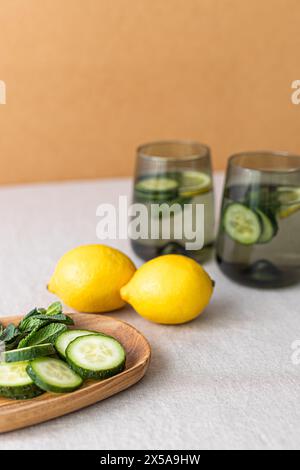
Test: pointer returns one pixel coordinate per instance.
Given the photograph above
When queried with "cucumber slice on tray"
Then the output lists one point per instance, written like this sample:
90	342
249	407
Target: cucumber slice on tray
242	224
53	375
63	341
28	370
96	356
28	353
16	383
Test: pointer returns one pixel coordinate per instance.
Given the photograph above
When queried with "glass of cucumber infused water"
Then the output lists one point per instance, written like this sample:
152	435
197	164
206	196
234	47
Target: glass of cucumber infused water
172	179
259	233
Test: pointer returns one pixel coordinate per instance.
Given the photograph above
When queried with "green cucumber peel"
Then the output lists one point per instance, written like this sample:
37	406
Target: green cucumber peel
28	353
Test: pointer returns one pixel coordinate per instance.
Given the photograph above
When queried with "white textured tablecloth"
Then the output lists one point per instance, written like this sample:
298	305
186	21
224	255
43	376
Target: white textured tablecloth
224	381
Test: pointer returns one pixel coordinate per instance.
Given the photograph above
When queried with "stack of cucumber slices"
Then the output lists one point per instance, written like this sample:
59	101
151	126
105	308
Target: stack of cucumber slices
59	366
248	226
254	221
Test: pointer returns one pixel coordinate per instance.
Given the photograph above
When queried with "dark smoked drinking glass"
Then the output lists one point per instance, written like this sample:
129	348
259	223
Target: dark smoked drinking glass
174	172
259	234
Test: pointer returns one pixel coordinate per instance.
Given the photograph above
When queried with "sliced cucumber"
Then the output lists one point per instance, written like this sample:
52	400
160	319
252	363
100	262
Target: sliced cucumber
67	337
53	375
29	353
157	188
242	224
16	383
262	197
269	227
96	356
157	184
194	183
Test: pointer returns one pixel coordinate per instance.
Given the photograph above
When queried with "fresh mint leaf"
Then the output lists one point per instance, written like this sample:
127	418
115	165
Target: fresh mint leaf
10	332
41	311
27	338
25	320
10	336
31	314
60	318
28	323
13	344
34	326
31	323
54	309
47	334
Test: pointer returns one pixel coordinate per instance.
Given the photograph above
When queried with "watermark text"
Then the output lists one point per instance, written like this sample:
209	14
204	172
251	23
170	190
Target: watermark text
295	97
2	92
182	222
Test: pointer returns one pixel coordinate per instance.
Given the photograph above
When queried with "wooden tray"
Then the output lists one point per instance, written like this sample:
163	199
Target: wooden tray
16	414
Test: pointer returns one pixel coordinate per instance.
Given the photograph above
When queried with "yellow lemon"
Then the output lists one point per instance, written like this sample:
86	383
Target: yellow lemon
89	278
170	289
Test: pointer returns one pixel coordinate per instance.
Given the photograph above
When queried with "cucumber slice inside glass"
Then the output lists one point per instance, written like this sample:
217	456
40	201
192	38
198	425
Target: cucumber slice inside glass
262	197
53	375
193	183
96	356
63	341
242	224
16	383
28	353
269	227
157	185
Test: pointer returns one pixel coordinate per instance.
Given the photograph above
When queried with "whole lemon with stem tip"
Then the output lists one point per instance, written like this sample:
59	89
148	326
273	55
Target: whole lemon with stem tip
89	278
170	289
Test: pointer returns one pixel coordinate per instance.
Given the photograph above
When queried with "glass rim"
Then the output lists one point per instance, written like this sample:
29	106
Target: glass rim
202	151
232	161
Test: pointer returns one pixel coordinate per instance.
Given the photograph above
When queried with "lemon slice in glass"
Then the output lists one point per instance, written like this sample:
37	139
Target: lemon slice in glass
289	195
289	198
194	183
286	211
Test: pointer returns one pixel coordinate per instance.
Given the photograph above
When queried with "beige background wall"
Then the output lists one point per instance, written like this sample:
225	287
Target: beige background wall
88	80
